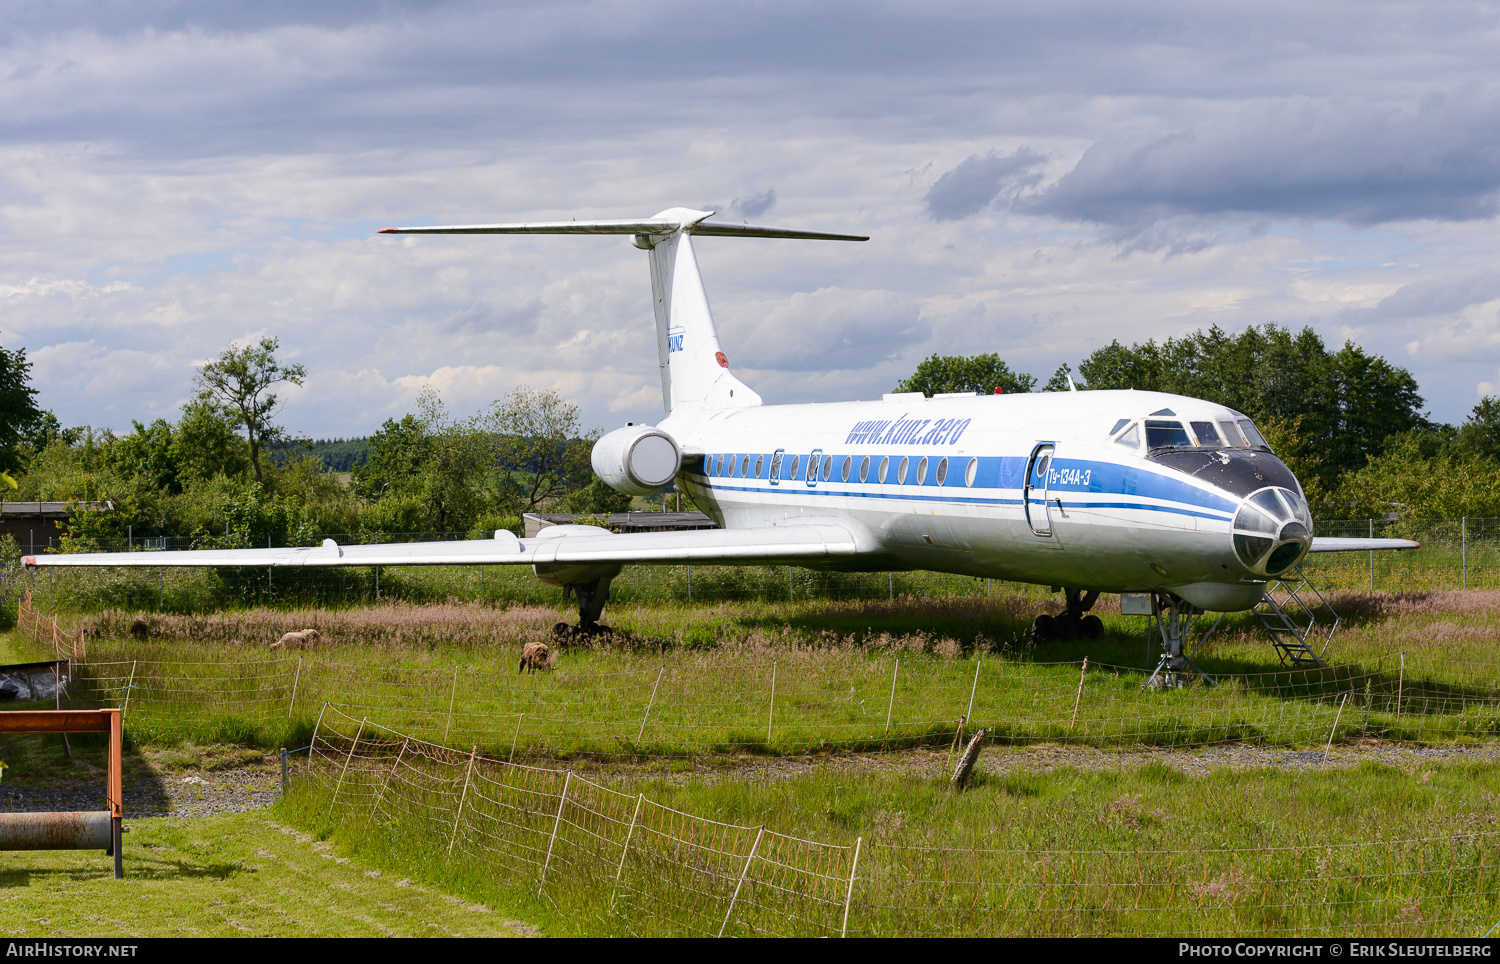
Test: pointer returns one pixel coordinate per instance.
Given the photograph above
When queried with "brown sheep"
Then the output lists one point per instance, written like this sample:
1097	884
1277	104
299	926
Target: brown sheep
138	628
300	640
535	656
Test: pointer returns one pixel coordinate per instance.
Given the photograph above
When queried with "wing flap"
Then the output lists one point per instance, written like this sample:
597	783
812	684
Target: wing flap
744	546
1336	544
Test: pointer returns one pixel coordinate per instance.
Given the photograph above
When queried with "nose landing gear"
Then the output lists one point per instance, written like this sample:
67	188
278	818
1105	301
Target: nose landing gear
1175	623
1071	623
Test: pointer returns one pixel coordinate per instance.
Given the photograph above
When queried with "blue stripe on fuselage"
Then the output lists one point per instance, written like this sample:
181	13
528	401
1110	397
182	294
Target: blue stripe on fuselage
1083	478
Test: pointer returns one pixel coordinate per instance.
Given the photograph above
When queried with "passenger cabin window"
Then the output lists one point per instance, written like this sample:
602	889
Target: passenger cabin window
970	472
864	469
1131	438
885	467
1207	436
942	471
827	467
844	469
1162	434
745	467
776	466
901	471
922	470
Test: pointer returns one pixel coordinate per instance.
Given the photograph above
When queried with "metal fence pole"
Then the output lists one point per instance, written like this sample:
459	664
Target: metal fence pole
1372	557
625	850
969	713
459	813
891	585
649	703
1464	549
772	714
849	894
556	822
125	705
890	707
1400	682
690	583
295	681
347	760
745	871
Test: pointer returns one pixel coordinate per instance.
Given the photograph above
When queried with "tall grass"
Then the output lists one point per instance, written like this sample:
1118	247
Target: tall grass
1145	850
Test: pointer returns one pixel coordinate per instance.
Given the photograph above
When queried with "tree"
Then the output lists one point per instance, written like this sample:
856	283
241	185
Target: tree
1348	403
959	373
240	380
19	414
1480	435
538	443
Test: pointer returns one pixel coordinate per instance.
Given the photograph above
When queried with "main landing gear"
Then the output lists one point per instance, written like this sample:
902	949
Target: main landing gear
591	599
1072	623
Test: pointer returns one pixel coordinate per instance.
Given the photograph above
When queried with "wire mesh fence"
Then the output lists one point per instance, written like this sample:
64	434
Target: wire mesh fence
596	853
791	706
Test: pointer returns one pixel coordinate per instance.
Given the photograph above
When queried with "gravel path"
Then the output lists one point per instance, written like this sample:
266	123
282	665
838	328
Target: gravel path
1047	757
196	794
186	794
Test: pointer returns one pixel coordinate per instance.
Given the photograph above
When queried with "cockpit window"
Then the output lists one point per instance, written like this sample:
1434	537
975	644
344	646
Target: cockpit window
1232	435
1254	436
1160	434
1131	438
1119	425
1207	437
1165	411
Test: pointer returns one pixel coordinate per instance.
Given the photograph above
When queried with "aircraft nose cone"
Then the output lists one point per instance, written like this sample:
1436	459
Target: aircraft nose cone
1272	531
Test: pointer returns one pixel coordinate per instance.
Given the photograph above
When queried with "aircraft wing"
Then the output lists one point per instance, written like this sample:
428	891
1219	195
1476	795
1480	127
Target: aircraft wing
578	544
1333	544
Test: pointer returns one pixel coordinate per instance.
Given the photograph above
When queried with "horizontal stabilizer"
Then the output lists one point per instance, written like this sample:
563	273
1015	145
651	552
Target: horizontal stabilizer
1326	544
658	225
772	544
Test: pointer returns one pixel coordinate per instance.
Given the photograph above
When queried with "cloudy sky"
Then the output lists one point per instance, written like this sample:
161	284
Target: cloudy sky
1037	179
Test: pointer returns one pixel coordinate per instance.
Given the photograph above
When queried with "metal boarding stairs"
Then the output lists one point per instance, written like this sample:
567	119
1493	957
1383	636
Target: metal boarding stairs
1288	613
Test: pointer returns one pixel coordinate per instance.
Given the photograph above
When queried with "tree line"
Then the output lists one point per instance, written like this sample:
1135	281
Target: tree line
225	474
1349	423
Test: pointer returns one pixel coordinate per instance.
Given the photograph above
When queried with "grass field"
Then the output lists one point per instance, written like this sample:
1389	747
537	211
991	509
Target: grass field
1374	850
792	677
227	876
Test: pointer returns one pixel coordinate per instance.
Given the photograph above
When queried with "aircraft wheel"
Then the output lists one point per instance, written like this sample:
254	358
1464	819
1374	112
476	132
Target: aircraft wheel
1091	627
1065	627
1041	630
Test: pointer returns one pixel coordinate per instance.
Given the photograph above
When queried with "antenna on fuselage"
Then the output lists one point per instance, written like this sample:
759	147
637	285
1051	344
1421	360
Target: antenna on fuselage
694	369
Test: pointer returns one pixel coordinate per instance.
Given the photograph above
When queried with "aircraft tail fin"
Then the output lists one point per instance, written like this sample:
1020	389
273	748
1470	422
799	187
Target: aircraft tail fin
694	369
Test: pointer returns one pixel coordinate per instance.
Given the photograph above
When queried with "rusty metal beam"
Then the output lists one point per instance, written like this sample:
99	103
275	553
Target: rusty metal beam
56	831
56	721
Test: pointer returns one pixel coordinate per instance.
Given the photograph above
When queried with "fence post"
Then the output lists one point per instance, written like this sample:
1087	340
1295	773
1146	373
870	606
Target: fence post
625	851
125	705
743	872
690	583
1078	697
557	822
969	713
1372	557
1464	544
771	715
890	707
791	587
1400	682
459	813
296	680
452	695
380	797
313	745
649	703
891	585
1331	733
347	760
161	588
849	894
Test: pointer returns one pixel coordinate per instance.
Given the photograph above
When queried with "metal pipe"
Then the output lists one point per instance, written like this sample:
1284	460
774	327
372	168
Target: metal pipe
90	830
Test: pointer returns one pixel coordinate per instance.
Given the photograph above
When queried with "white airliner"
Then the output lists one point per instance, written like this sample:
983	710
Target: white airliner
1094	491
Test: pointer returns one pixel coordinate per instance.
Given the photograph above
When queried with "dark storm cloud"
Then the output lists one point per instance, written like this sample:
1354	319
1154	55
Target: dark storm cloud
1338	159
981	178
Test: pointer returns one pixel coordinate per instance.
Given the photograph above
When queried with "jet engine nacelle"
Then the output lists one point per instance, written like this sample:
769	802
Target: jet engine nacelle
637	459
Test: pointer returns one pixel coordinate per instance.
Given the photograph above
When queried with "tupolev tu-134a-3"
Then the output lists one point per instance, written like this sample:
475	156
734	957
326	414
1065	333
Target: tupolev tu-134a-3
1127	492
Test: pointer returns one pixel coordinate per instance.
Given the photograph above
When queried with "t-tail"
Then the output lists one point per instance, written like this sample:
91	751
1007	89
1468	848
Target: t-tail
694	369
